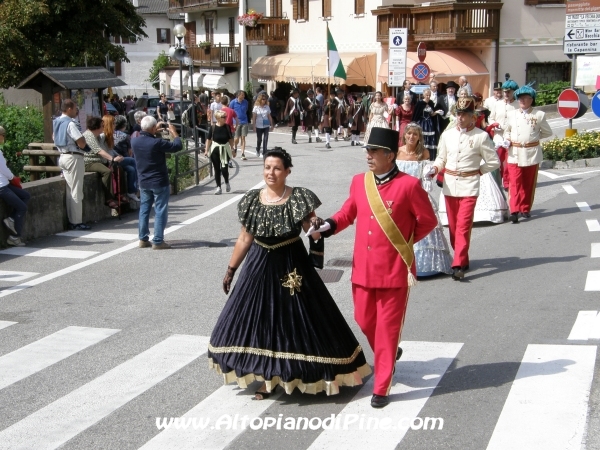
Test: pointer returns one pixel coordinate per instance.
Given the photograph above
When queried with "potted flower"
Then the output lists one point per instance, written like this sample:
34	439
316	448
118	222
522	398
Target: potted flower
250	19
206	45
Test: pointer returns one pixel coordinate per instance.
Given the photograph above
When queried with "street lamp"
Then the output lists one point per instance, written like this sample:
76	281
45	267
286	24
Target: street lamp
179	52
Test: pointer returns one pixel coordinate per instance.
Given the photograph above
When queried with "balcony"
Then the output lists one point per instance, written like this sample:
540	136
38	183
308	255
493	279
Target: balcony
462	20
215	56
190	6
269	31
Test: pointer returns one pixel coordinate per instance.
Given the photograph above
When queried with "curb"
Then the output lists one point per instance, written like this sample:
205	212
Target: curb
580	163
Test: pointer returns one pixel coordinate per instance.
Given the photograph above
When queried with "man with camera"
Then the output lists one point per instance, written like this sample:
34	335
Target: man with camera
153	179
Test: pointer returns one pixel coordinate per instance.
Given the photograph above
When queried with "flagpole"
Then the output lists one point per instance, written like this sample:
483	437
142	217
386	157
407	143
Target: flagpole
327	50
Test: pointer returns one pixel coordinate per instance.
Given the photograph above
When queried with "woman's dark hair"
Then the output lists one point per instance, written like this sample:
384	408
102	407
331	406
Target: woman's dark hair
94	123
278	152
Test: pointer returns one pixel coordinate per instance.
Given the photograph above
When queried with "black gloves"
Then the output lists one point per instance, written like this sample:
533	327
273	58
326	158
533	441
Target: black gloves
228	278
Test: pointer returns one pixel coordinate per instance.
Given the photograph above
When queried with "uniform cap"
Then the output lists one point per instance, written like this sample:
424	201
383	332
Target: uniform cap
510	85
525	90
383	138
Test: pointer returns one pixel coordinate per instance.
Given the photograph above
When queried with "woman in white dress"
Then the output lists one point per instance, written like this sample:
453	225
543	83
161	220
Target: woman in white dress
378	113
432	252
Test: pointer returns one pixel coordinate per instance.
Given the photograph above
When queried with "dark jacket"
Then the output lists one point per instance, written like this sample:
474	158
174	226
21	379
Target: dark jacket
151	160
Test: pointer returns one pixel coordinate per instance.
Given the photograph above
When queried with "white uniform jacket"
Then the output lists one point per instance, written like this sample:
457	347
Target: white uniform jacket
526	128
500	114
462	151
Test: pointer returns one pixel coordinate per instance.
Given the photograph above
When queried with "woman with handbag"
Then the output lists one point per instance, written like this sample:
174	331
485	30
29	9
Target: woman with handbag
218	148
15	197
294	113
280	324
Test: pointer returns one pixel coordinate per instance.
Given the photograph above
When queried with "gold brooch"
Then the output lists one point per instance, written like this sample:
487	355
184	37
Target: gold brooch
293	281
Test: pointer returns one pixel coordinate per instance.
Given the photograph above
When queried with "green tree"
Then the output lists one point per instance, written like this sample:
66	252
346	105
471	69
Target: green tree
62	33
161	61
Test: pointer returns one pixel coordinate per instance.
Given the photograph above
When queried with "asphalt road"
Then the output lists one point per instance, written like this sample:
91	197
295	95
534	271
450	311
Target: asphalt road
95	346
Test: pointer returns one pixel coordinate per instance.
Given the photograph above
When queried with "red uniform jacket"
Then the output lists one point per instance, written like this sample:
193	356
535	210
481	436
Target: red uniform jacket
376	263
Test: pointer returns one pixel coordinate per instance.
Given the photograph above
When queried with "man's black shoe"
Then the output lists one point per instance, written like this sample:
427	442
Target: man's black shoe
514	217
398	353
379	401
457	273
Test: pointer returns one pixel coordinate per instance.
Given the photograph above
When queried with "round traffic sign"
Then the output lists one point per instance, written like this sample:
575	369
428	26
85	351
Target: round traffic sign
568	103
596	104
422	51
420	71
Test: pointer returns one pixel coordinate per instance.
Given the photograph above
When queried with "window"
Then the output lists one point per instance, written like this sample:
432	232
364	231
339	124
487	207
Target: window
209	27
544	73
326	11
300	9
115	67
190	35
359	7
231	21
163	36
130	40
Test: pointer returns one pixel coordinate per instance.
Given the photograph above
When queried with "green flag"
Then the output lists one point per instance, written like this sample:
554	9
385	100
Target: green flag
336	68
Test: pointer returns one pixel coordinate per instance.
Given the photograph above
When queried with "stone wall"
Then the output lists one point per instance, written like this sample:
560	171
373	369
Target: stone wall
47	212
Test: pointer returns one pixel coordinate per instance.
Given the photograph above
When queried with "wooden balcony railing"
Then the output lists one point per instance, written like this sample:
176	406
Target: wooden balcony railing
269	31
178	6
458	20
215	56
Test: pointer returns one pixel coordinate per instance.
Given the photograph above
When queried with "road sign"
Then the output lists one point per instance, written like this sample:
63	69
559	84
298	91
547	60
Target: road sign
398	38
596	104
568	104
582	27
422	51
421	71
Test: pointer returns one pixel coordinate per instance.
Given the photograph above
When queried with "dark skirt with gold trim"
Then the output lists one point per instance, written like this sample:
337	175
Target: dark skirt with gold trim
281	325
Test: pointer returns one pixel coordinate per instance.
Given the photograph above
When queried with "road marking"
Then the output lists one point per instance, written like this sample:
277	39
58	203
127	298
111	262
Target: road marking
47	351
592	282
8	275
55	424
583	206
100	235
586	326
107	255
593	225
5	324
417	374
226	401
548	401
553	176
569	189
595	250
47	253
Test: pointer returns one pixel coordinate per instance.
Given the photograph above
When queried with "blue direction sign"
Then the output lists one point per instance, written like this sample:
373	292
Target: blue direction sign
596	104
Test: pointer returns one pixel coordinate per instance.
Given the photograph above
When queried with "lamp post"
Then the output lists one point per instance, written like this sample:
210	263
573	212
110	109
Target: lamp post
180	53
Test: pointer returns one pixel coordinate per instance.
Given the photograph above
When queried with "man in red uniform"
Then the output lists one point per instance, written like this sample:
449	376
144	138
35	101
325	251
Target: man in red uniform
392	212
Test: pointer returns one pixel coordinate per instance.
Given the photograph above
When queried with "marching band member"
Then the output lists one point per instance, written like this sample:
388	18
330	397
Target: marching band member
498	116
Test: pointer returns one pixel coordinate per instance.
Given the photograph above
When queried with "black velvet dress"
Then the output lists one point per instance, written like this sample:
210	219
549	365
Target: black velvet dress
280	324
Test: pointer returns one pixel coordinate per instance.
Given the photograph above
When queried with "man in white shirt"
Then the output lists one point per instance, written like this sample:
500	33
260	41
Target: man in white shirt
214	107
71	144
489	102
433	86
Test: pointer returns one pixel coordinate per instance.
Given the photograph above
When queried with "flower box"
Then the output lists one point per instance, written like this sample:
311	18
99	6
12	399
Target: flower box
250	19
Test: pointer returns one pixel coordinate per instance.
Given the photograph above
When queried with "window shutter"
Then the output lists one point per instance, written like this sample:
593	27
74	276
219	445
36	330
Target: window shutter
118	68
326	8
190	35
359	6
158	41
275	10
305	9
168	35
295	9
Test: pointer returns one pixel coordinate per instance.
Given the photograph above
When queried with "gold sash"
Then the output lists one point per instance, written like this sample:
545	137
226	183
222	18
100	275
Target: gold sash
389	227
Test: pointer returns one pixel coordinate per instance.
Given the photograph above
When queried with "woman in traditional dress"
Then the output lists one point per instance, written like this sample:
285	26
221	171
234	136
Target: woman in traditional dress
427	118
280	324
432	252
378	112
404	113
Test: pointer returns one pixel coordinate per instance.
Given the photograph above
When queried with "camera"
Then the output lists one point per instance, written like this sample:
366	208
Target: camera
163	125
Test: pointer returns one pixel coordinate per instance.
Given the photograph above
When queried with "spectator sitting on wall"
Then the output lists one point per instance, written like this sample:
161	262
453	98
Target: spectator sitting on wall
15	197
122	145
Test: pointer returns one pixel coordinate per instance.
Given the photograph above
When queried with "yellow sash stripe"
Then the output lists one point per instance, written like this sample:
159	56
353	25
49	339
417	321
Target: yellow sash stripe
388	225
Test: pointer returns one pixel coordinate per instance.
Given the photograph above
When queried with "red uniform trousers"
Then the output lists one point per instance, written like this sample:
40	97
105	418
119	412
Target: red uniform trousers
502	156
380	315
460	211
522	187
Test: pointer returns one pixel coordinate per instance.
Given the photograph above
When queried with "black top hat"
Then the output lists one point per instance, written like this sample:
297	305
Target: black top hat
452	84
498	86
465	105
383	138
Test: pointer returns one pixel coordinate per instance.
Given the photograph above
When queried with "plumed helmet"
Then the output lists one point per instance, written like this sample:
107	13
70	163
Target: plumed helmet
525	90
510	85
465	105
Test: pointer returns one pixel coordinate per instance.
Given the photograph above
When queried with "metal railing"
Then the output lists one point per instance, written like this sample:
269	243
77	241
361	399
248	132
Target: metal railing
198	168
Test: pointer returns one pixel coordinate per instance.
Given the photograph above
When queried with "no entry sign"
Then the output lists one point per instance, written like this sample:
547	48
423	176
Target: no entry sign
568	104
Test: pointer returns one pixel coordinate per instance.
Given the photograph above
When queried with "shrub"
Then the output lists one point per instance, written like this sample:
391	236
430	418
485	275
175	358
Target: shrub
579	146
23	125
547	94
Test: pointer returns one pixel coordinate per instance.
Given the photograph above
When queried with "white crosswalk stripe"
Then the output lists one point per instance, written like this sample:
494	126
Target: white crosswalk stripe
595	250
545	409
569	189
47	351
583	206
586	326
8	275
593	225
55	424
592	282
47	252
547	404
100	235
6	323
